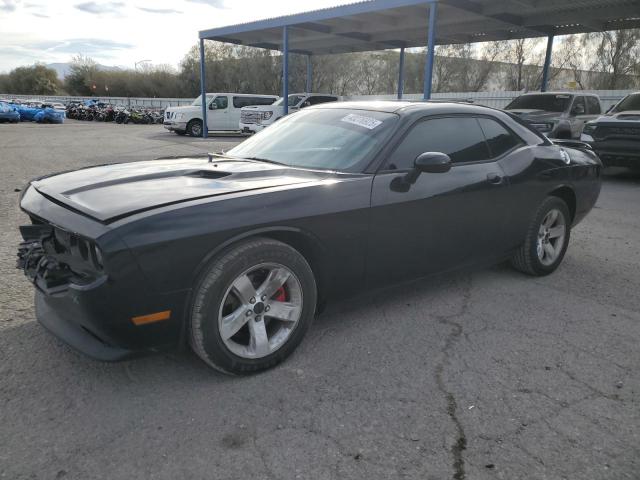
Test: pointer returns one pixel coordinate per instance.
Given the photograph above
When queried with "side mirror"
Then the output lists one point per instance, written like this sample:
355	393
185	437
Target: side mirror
432	162
578	110
428	162
213	106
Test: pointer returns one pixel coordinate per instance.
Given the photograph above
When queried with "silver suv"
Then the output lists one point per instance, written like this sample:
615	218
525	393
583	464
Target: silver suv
557	115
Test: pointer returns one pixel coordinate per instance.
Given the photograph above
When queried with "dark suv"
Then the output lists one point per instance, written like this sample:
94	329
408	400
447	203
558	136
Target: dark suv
615	136
557	115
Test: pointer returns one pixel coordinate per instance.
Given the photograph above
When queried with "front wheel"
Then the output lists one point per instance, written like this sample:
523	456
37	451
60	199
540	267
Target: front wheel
547	239
252	307
194	128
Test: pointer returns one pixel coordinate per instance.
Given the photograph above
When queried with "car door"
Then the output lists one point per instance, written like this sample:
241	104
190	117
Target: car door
578	115
443	220
218	117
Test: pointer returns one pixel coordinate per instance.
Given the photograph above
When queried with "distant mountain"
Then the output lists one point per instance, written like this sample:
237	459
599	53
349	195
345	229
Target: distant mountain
63	68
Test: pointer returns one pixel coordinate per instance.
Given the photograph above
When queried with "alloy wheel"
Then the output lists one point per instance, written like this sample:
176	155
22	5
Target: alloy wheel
551	235
260	310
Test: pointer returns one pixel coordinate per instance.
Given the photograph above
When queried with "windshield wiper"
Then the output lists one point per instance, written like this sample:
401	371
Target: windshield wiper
258	159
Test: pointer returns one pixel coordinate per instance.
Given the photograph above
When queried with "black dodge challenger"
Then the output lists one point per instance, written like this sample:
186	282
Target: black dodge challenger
235	253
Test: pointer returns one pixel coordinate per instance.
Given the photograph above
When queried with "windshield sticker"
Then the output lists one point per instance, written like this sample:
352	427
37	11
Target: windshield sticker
361	121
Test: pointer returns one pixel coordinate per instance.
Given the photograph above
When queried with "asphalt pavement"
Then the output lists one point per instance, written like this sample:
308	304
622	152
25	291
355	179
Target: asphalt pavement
482	375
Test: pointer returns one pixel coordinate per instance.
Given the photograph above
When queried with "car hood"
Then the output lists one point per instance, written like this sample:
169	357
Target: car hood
535	115
111	192
626	116
183	109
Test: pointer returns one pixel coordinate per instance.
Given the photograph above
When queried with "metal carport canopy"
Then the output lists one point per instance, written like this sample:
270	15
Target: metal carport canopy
398	24
389	24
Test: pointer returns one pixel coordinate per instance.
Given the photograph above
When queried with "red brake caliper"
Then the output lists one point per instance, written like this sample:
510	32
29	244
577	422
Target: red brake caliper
280	295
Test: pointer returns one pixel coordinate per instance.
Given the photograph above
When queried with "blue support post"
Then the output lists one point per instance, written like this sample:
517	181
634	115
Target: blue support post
285	69
401	74
309	86
203	91
547	64
428	68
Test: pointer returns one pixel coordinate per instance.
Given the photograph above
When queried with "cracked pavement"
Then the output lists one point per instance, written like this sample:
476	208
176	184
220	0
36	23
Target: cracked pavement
487	374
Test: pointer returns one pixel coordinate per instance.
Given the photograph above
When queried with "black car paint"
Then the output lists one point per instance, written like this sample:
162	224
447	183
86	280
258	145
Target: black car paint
355	230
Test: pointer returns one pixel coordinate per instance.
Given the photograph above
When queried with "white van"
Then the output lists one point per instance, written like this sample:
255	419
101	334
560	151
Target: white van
223	112
255	118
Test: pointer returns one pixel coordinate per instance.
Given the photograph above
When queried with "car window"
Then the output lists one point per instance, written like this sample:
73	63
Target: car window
630	102
548	102
594	105
323	138
499	139
221	102
578	106
317	99
459	137
239	102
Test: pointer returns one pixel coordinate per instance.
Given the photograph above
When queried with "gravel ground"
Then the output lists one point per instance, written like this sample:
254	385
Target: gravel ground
482	375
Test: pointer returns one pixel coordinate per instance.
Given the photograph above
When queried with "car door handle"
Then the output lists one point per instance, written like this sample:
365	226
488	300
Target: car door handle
495	178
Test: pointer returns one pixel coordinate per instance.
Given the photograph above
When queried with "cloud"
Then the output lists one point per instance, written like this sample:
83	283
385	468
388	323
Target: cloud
8	5
86	46
213	3
98	8
159	10
40	15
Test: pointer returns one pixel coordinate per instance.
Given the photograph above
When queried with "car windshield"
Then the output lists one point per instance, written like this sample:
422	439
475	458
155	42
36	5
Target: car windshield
631	102
198	101
293	100
4	107
326	139
548	103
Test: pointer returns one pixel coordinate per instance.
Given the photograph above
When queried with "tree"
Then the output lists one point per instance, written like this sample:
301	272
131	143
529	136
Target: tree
617	55
82	75
34	80
524	57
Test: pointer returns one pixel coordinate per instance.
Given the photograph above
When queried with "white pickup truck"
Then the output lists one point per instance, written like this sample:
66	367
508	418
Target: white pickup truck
223	112
256	117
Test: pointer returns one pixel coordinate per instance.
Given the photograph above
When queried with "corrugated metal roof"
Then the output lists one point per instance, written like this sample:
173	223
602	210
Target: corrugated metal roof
383	24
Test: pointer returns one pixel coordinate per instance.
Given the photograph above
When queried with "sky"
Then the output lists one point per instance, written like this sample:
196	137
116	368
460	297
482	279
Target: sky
123	32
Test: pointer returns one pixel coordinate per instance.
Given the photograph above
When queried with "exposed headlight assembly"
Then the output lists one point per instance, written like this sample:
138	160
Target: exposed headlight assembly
267	115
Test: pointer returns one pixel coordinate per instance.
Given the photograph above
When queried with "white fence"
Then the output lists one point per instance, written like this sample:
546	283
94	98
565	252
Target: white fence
498	99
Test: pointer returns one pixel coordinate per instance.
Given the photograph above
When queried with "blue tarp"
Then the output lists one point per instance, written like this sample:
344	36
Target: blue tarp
8	113
40	115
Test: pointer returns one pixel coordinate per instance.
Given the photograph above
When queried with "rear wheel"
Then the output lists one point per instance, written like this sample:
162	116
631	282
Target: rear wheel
252	307
194	128
547	239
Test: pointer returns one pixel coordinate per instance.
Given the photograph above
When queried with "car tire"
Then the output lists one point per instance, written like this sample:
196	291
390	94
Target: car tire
546	240
194	128
233	326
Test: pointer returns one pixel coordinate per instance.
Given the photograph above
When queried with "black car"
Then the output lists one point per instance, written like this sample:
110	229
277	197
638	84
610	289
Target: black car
235	254
616	135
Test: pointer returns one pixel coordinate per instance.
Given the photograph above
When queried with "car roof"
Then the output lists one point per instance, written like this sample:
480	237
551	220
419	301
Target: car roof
586	94
243	94
407	107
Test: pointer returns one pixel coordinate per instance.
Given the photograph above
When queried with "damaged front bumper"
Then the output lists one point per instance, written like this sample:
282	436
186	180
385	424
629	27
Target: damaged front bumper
89	287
